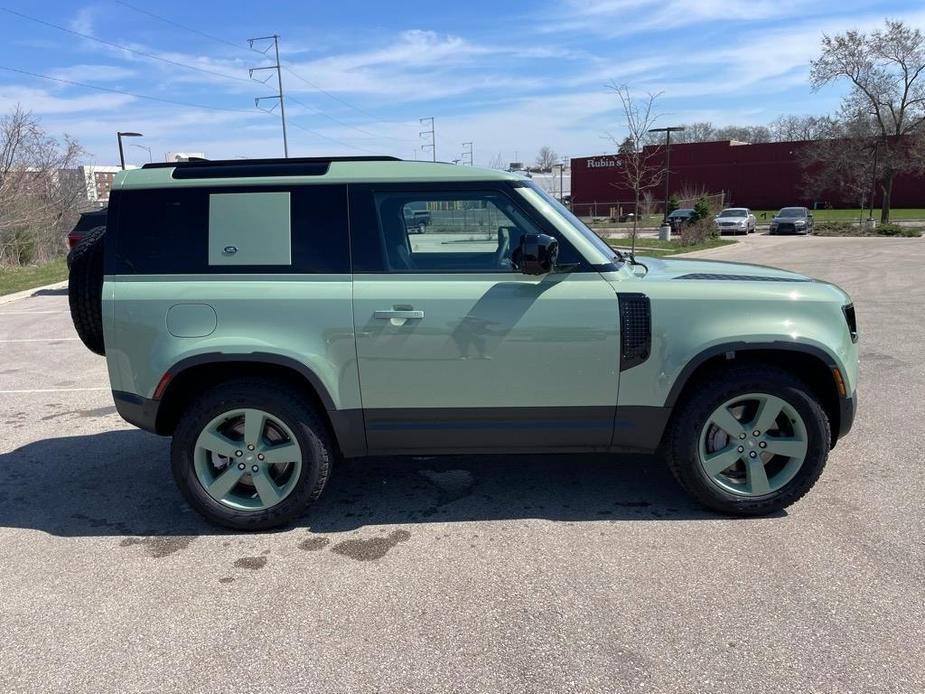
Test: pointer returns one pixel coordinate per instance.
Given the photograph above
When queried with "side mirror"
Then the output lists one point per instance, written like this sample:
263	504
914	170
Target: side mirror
537	254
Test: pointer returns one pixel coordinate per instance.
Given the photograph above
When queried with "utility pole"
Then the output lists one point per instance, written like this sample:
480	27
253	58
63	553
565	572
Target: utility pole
433	136
467	152
667	131
279	82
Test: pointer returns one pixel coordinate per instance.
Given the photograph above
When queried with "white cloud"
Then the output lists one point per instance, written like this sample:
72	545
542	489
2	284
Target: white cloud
42	102
93	73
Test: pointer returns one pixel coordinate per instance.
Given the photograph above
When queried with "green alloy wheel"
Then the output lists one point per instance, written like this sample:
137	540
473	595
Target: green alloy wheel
753	444
247	459
751	440
251	454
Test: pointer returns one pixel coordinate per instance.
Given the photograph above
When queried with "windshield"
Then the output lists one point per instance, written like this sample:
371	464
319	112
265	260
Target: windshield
791	212
574	221
732	213
683	212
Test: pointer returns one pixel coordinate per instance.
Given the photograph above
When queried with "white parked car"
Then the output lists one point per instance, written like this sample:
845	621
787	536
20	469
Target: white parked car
736	220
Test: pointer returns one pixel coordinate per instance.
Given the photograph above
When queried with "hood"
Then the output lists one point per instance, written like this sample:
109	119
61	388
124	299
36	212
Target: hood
788	219
693	269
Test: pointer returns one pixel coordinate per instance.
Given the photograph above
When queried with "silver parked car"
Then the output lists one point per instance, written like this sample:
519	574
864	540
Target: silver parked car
792	220
736	220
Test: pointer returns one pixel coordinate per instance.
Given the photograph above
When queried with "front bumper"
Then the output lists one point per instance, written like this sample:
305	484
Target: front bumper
847	408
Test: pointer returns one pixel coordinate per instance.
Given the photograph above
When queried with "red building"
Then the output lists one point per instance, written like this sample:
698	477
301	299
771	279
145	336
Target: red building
761	176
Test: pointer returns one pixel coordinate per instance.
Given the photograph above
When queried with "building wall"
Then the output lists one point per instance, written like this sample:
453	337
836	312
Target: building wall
760	176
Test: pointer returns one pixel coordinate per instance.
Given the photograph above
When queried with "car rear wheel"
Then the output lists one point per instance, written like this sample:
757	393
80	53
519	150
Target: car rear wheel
749	443
251	455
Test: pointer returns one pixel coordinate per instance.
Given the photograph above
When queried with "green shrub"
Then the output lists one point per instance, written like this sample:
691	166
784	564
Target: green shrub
844	228
897	230
836	229
673	204
701	210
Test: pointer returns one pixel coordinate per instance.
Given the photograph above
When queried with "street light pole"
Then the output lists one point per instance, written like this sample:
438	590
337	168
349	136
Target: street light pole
119	136
667	131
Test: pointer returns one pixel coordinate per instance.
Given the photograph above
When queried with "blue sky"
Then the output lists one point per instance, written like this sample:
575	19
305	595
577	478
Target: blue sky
508	76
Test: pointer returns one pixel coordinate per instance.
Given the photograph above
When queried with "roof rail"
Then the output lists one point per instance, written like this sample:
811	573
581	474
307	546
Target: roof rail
244	168
259	162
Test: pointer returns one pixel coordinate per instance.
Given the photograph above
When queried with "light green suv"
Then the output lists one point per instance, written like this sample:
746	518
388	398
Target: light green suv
276	315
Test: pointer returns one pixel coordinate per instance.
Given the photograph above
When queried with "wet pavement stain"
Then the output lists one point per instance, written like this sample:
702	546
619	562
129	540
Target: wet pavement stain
251	563
159	547
98	412
226	579
372	549
56	415
313	544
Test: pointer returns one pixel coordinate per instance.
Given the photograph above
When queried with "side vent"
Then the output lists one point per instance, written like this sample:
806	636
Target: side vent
635	330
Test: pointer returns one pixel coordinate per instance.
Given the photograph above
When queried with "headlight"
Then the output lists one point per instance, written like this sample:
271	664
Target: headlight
801	223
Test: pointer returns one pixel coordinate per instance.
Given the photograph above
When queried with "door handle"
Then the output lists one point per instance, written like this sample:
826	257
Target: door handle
398	313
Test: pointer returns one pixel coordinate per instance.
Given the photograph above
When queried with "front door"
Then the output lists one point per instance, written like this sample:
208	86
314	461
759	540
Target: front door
456	350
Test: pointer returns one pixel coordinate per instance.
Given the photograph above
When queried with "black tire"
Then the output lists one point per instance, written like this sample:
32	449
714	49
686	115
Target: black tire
85	289
691	416
294	411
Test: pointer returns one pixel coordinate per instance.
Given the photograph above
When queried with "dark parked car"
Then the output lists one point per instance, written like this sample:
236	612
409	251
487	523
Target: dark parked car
682	215
87	221
792	220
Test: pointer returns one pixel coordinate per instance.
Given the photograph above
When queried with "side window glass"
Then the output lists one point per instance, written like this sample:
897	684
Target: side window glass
450	232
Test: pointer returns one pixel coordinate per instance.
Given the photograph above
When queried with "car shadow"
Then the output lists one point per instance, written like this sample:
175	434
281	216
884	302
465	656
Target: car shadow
61	291
119	483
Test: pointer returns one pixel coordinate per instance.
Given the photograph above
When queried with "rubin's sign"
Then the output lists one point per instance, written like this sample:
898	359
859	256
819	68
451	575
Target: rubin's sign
603	163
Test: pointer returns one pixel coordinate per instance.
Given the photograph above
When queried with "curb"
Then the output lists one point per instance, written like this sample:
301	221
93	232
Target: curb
26	293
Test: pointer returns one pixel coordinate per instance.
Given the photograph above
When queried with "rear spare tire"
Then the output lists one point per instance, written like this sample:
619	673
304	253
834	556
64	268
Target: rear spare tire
85	289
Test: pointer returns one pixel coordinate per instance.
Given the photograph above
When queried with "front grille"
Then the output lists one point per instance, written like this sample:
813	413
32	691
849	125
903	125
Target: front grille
787	228
635	329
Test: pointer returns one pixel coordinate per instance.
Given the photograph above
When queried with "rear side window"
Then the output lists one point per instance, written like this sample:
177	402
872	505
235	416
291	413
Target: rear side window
291	229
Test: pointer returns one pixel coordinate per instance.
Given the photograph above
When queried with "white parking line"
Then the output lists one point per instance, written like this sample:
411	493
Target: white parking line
50	390
27	313
42	339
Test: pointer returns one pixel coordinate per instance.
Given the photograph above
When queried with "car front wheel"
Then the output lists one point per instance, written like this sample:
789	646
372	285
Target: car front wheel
750	442
251	455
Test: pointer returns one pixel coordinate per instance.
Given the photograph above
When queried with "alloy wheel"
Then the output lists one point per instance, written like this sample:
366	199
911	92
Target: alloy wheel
247	459
753	445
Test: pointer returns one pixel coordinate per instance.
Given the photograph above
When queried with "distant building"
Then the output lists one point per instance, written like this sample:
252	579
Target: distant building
95	180
766	175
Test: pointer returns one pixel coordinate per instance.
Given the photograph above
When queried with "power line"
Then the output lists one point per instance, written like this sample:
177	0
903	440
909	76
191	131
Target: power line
124	93
332	139
181	26
287	68
345	124
121	47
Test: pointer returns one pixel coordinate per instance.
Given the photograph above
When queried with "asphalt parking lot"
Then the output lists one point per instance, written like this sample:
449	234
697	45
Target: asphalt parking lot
474	574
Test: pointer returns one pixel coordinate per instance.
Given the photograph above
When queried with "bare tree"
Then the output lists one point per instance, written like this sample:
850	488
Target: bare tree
743	133
496	162
886	71
790	128
701	131
546	158
38	199
642	166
